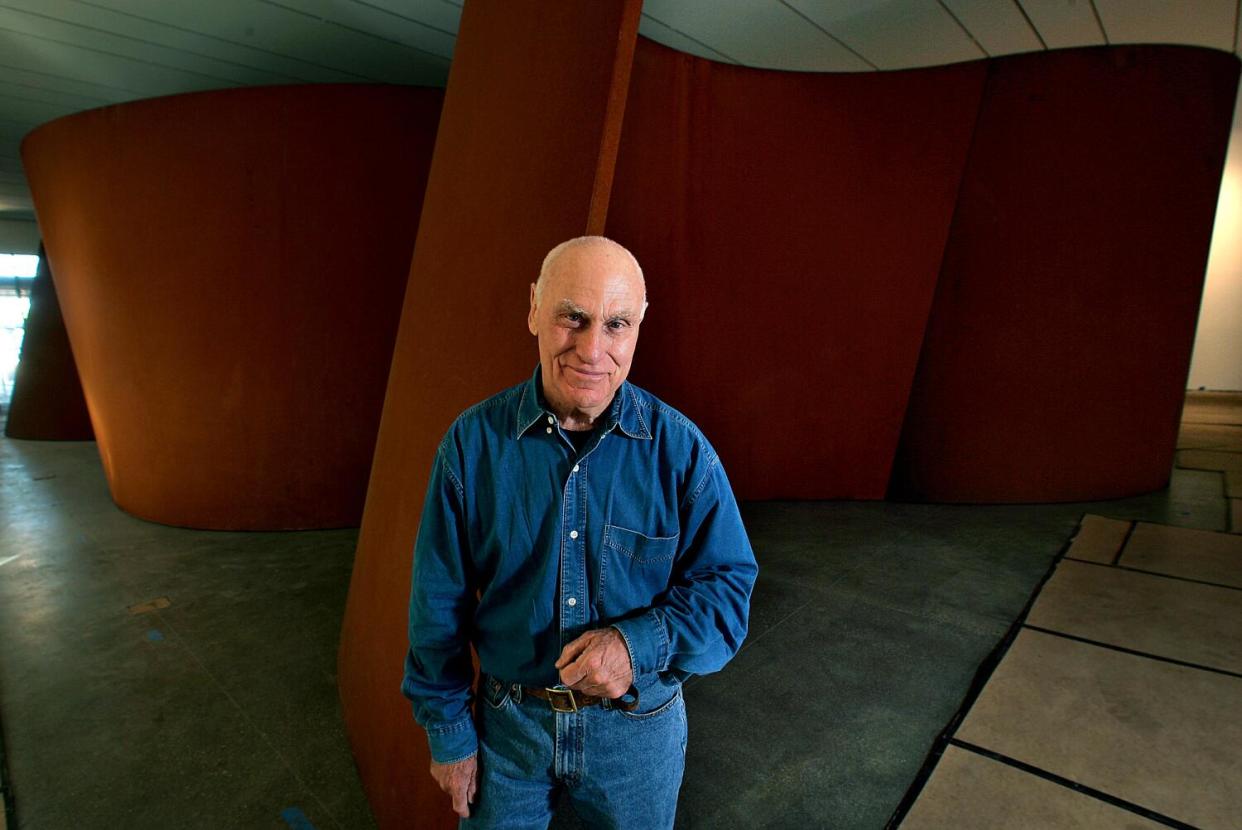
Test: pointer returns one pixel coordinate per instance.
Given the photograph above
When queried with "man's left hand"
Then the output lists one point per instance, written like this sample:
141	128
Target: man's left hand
597	663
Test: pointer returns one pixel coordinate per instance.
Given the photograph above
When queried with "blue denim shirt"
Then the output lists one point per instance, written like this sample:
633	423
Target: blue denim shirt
525	544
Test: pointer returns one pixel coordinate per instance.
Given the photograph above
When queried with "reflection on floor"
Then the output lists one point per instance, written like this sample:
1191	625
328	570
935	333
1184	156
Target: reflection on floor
156	677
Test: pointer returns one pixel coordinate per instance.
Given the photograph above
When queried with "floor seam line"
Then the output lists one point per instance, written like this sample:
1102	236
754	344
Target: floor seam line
1069	783
1135	652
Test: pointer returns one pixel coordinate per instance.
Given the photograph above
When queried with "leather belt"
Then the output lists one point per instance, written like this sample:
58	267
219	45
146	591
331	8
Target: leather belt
570	700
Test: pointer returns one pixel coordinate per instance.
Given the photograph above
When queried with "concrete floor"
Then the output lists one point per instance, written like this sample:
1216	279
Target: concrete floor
220	709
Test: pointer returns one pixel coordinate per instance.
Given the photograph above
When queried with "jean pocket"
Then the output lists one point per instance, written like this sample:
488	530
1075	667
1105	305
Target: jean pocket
494	693
670	705
639	547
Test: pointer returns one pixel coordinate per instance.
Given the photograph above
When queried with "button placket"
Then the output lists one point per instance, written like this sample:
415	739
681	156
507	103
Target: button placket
573	560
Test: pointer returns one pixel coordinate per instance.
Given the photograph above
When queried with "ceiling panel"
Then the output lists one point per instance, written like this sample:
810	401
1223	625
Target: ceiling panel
45	30
1199	22
1064	23
894	34
293	43
998	25
72	100
143	78
444	15
20	109
34	73
661	33
404	28
756	33
160	26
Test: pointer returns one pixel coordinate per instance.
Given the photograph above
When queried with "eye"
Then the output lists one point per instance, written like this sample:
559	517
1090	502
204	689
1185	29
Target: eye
617	325
573	318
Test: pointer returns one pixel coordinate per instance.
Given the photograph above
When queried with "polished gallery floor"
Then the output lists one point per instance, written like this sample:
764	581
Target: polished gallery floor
921	666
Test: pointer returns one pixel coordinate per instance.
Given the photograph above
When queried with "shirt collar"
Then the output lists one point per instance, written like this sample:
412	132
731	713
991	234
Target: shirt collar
624	413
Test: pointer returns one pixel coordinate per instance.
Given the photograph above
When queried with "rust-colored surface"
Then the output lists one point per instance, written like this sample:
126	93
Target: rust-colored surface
791	226
1059	342
47	402
524	159
231	267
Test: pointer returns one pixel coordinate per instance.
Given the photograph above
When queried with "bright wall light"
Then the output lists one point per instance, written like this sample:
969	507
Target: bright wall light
18	265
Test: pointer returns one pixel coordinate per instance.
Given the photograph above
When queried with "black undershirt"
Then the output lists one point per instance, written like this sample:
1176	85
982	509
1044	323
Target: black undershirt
579	438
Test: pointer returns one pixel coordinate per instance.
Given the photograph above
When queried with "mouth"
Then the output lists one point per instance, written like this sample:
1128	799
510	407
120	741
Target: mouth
586	375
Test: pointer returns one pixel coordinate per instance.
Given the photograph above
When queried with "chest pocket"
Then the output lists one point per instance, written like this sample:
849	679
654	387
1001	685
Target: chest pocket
634	569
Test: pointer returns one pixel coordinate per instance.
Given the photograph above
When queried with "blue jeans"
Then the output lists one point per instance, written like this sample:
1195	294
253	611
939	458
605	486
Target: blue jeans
621	770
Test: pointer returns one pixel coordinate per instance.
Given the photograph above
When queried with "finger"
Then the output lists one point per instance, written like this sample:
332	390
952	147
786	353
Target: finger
571	676
459	802
571	652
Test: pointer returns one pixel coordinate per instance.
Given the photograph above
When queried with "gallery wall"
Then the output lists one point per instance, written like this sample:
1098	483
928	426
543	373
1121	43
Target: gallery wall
1217	360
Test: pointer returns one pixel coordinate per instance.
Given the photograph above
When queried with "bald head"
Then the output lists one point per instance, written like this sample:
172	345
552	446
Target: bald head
582	244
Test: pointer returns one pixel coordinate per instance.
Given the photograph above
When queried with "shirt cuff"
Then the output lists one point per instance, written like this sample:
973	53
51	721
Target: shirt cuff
453	742
647	642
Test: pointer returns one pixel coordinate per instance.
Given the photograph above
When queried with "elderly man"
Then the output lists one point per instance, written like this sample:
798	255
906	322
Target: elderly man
582	536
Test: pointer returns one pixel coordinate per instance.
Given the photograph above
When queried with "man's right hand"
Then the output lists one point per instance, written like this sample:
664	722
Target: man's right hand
460	780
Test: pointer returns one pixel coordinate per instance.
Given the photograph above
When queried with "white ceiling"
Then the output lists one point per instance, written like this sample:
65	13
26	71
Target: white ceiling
62	56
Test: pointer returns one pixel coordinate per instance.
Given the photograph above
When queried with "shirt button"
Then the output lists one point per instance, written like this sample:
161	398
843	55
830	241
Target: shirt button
573	534
571	602
549	430
551	420
575	468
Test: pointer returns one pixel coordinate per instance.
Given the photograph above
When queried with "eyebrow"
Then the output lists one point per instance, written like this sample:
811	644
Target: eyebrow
570	307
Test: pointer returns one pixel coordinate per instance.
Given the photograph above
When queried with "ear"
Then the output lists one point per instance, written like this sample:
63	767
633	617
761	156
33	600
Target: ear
530	318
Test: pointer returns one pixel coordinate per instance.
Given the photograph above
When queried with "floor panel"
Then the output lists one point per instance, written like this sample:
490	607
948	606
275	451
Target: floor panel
968	791
1158	735
1099	539
1185	552
1156	615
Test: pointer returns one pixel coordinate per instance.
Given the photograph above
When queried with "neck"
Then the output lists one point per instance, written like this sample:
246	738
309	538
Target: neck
571	417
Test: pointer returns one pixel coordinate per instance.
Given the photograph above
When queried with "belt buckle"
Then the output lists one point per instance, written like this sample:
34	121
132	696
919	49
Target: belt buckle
557	695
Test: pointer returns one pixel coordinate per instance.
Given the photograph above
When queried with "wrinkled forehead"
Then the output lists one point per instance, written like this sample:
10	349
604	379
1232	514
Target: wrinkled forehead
594	276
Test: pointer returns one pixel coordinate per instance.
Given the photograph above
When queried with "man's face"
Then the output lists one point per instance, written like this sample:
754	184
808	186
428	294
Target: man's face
587	323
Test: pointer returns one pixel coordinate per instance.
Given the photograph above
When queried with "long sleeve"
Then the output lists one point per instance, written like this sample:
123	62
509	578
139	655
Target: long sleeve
699	623
438	669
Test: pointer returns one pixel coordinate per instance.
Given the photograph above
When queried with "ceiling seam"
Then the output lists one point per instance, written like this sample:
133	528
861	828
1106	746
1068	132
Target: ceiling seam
225	40
29	100
1099	22
98	101
962	26
364	32
1031	23
838	40
654	19
129	57
70	79
400	16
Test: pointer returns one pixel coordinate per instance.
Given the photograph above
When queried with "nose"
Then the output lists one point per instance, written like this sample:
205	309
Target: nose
590	345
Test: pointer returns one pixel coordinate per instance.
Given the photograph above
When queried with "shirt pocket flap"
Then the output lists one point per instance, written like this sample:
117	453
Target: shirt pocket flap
639	547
